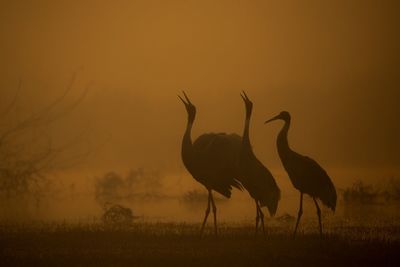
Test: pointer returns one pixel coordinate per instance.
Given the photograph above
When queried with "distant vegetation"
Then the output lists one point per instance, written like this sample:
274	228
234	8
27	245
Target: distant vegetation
137	184
363	193
28	152
117	215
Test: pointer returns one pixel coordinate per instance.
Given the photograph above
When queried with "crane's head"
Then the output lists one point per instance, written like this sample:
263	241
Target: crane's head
190	108
284	115
247	102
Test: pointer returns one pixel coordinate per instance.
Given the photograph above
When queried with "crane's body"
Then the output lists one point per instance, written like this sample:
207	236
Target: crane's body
255	177
306	174
212	160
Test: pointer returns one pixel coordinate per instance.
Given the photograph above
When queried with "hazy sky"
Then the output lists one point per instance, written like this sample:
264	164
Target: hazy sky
333	64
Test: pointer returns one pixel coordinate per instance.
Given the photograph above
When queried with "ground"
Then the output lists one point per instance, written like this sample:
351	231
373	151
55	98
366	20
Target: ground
174	244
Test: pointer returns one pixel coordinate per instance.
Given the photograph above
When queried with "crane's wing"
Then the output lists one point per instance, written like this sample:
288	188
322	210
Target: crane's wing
309	177
258	180
222	147
217	161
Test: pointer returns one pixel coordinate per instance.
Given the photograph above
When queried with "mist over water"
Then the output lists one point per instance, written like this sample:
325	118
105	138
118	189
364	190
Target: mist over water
73	200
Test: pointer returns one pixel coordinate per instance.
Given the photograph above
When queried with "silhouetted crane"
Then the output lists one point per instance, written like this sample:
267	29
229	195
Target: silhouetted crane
211	160
305	173
255	177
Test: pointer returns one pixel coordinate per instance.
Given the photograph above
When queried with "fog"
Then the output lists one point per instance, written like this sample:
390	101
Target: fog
334	66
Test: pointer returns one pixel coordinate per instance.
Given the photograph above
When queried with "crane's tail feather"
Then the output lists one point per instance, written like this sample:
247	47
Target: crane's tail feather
237	184
226	190
329	197
272	201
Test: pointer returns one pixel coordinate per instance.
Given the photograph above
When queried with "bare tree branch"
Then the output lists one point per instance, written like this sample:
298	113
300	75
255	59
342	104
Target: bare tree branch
26	149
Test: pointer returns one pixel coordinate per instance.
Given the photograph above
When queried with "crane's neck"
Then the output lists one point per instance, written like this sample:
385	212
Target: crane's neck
282	141
187	146
246	134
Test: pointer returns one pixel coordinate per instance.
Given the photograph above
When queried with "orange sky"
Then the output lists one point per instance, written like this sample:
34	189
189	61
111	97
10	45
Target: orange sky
333	64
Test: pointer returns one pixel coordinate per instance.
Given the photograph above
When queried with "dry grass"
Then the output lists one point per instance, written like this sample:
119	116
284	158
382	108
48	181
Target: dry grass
172	244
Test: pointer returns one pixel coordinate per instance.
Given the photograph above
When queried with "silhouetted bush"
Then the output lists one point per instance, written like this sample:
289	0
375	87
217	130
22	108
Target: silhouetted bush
117	215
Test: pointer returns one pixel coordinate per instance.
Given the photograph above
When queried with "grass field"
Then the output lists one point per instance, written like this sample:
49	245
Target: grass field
173	244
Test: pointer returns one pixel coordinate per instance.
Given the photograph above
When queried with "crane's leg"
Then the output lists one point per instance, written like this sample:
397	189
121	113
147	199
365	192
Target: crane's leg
215	213
262	219
207	213
319	217
257	218
299	214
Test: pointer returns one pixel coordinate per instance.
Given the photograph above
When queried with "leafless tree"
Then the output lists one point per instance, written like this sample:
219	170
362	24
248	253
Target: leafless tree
27	151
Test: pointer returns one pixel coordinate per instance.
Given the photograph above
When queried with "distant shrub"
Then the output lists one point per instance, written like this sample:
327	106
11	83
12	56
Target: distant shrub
146	181
113	187
116	215
361	192
108	187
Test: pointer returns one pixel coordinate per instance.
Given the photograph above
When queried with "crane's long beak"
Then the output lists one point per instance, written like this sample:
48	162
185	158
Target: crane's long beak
187	98
274	118
184	102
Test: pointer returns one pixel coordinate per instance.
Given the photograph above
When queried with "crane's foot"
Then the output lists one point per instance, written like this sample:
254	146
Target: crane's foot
319	217
257	220
205	216
299	215
215	214
204	222
262	221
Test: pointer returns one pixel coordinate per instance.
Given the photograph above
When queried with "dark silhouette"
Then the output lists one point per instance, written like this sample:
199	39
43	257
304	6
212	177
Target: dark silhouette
211	160
305	173
255	177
